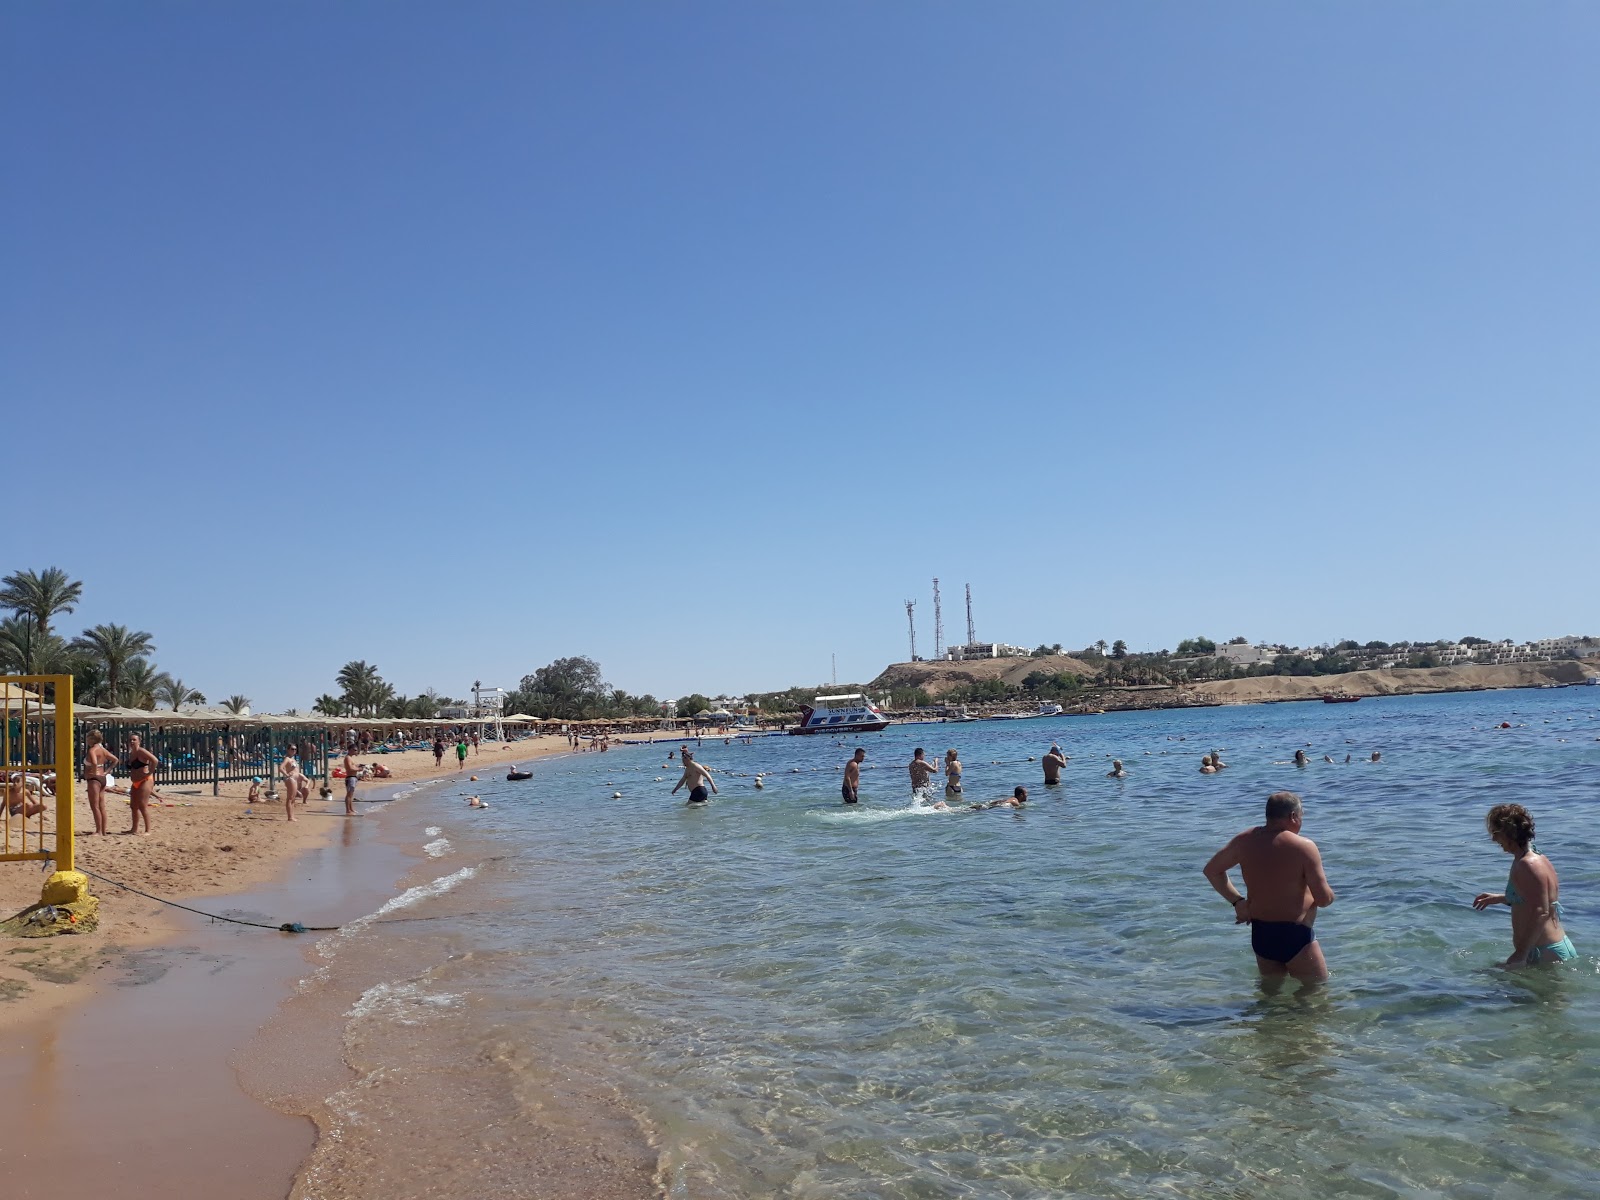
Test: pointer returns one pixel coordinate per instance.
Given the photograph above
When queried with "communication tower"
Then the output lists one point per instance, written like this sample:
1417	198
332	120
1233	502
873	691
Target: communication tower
911	620
938	621
972	633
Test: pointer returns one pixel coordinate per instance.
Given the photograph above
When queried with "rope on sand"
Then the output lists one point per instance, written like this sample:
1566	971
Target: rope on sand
286	927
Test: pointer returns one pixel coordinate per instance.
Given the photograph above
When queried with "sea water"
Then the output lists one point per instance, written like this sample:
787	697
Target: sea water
777	995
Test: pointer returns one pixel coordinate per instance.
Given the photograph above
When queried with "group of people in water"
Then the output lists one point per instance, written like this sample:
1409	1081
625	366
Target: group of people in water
1285	884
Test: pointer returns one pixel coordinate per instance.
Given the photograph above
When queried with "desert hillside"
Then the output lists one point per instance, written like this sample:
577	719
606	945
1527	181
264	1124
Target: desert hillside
1398	682
937	678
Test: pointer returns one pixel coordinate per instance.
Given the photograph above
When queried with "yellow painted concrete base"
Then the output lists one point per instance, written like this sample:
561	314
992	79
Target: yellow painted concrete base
65	887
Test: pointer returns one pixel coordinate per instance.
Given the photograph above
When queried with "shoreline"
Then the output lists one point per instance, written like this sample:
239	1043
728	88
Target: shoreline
90	1021
201	848
156	998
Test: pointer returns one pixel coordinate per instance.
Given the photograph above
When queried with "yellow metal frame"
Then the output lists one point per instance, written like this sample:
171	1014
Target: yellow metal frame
24	695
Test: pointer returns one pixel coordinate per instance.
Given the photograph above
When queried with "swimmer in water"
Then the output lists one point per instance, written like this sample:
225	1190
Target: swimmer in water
1533	892
1206	767
851	788
1017	799
1300	759
952	775
1216	760
697	778
1376	757
1116	771
921	777
1285	887
1053	764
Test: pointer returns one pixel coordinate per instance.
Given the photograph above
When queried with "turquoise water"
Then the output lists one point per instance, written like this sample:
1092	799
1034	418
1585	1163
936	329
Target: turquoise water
800	1000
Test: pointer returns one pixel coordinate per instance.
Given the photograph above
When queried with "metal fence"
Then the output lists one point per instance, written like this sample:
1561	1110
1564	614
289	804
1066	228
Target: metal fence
218	755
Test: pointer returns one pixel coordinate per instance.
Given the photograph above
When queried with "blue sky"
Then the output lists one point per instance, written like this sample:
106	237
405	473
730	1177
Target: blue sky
698	337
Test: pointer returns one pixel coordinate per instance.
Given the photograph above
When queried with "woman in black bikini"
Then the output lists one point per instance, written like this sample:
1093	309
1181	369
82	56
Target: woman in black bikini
95	762
141	782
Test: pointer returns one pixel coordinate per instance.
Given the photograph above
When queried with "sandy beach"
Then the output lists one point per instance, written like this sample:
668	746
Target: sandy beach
160	998
199	846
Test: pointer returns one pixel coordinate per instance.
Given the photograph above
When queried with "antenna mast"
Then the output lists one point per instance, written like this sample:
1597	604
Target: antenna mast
938	621
911	619
972	636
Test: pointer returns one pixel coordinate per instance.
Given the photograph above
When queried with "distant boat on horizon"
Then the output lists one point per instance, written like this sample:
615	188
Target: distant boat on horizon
1338	698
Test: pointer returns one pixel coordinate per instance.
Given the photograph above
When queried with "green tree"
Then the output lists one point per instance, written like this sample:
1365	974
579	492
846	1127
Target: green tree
26	651
177	693
1195	646
1119	649
140	683
691	704
114	647
567	689
330	706
40	596
237	704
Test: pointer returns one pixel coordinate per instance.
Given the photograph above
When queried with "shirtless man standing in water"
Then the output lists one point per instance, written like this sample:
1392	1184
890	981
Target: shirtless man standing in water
698	779
1053	762
921	775
1286	885
851	791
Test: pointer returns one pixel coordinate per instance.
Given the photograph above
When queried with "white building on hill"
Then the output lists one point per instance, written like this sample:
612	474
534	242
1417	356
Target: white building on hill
985	650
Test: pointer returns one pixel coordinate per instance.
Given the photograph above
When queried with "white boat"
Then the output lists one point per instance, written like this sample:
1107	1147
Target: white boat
1046	709
962	715
841	714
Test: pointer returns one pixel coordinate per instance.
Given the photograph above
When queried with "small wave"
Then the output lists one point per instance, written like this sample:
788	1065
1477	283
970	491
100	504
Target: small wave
433	831
437	848
403	1002
874	816
329	945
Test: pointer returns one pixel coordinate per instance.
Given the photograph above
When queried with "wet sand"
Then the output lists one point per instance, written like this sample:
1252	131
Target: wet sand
131	1032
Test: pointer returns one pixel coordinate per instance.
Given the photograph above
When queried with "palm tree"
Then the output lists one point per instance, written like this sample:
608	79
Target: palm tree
177	693
114	646
26	651
141	682
16	646
40	596
329	706
364	689
236	704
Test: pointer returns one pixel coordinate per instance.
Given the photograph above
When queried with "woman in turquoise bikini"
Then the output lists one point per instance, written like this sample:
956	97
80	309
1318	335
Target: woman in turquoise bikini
1532	891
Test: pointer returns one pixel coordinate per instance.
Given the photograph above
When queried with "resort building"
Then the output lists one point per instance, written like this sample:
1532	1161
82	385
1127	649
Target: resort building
1246	656
985	650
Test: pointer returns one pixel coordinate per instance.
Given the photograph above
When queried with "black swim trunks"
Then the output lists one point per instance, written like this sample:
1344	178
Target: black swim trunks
1279	941
848	792
699	795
